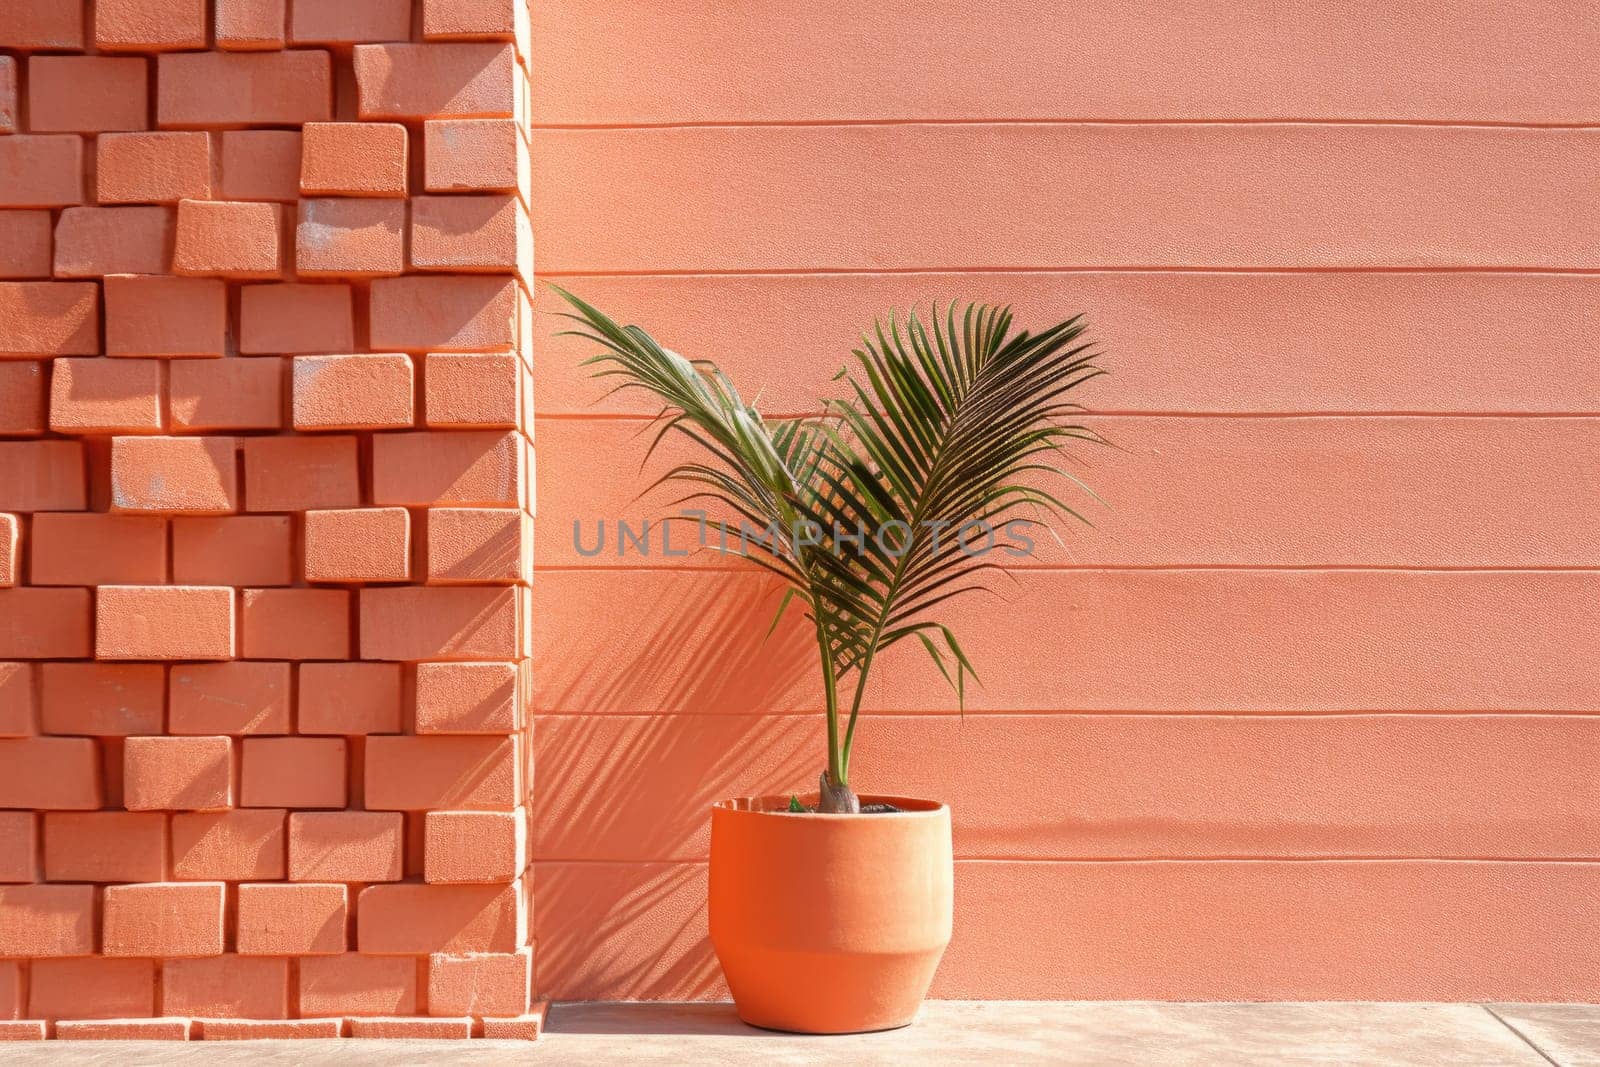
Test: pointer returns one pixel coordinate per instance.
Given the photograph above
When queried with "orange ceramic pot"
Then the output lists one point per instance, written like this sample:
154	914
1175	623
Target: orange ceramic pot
829	924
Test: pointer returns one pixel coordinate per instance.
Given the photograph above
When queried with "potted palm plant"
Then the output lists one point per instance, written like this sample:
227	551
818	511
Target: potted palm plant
829	913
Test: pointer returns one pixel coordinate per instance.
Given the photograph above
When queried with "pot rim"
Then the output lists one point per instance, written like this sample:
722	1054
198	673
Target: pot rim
777	805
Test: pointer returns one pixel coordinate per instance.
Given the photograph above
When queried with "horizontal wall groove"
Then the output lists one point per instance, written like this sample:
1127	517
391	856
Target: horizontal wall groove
622	416
1124	268
1057	568
734	124
1146	861
567	712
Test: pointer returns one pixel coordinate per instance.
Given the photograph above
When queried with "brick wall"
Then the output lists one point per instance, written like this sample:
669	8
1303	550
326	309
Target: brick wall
265	479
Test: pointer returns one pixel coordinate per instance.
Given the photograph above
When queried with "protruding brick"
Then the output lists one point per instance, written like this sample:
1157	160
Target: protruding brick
357	985
10	550
94	988
229	239
422	773
48	318
50	773
293	772
24	407
100	395
293	318
497	983
350	237
305	919
351	21
45	624
300	473
261	165
354	159
346	846
19	851
469	233
176	475
470	19
177	774
442	622
228	986
225	394
481	469
95	241
123	1030
105	846
163	919
10	113
166	316
358	545
411	1028
244	89
228	845
164	622
229	698
475	155
410	919
26	248
23	1029
250	25
102	700
94	549
475	846
477	545
149	25
350	699
18	700
44	24
519	1027
422	81
453	314
269	1029
87	94
355	392
471	389
41	170
152	168
47	920
296	624
236	550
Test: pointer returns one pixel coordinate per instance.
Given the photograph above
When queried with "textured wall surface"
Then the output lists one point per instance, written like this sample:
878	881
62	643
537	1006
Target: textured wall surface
1312	712
265	479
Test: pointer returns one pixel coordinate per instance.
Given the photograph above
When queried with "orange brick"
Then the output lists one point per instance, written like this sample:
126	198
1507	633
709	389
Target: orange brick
102	699
468	233
41	170
357	985
163	919
19	851
269	1029
9	111
196	475
100	395
250	25
358	545
230	239
177	773
226	986
48	318
476	545
465	19
45	624
47	920
123	1030
367	392
55	773
293	772
421	773
229	698
473	389
409	919
346	846
354	159
105	846
24	387
307	919
236	550
93	549
517	1028
225	394
92	989
477	468
475	846
452	314
485	984
164	622
152	168
349	698
166	316
411	1028
350	237
25	244
408	623
475	155
23	1029
18	700
244	89
95	241
149	25
43	24
228	845
300	473
291	319
422	81
261	165
10	550
87	94
317	22
296	624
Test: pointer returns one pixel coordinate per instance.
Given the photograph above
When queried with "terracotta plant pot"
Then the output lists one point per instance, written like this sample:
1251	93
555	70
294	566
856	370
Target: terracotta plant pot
829	924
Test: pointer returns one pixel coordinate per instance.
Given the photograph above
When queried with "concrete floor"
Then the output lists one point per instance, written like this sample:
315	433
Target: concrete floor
952	1032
